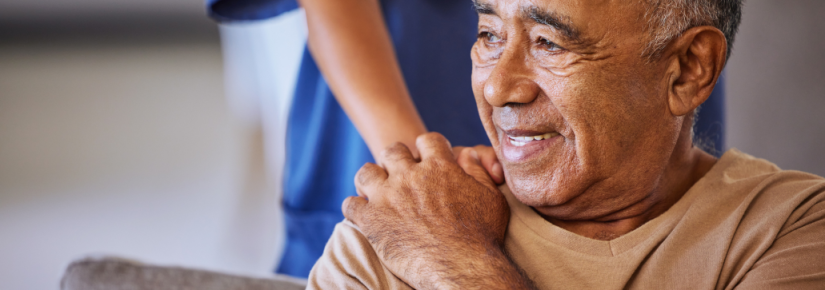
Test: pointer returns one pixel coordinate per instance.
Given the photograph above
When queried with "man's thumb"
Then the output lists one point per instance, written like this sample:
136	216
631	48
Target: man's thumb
468	160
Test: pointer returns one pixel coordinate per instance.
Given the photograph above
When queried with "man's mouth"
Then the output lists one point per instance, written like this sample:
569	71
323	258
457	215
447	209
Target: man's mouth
519	141
521	145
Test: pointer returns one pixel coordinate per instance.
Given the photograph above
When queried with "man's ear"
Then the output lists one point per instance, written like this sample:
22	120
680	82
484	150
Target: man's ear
697	58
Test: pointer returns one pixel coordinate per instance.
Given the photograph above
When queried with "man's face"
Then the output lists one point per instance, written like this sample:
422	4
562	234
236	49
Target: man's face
578	118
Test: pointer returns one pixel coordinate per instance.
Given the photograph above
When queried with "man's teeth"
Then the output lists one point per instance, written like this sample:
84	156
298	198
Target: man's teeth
523	140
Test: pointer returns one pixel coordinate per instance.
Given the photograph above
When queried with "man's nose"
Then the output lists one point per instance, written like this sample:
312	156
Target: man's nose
511	81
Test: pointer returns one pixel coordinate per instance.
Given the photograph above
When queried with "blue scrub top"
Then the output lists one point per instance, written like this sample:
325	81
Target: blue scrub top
432	40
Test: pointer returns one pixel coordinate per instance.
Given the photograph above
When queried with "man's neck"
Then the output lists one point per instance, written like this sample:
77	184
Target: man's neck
684	170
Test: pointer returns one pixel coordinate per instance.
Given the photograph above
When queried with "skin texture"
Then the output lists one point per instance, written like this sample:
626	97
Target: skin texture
411	229
624	147
620	151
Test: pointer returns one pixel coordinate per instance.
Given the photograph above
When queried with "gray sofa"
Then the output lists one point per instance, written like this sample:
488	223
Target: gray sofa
111	273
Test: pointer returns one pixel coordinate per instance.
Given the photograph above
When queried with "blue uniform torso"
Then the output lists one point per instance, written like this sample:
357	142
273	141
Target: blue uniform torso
432	40
324	151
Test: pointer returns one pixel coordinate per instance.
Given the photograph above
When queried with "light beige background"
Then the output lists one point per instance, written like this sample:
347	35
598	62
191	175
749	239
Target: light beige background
776	84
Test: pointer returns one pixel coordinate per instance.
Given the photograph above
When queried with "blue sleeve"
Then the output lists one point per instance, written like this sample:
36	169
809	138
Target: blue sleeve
247	10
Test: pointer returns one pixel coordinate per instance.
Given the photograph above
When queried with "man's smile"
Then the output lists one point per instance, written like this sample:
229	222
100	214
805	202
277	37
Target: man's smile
519	141
520	145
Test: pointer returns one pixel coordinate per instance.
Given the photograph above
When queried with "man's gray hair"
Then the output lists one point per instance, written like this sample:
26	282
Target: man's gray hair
668	19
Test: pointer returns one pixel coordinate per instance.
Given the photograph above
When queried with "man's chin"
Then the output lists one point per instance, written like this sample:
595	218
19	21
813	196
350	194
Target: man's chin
535	194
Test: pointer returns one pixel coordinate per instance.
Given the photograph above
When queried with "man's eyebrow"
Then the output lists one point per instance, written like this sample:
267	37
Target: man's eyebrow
549	18
483	8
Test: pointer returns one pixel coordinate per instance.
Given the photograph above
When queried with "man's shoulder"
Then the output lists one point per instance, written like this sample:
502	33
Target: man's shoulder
770	218
744	174
755	190
349	262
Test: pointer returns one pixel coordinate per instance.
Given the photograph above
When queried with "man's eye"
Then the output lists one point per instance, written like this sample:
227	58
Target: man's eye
549	45
489	37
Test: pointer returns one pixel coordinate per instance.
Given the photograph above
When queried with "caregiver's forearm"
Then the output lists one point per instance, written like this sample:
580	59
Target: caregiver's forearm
351	44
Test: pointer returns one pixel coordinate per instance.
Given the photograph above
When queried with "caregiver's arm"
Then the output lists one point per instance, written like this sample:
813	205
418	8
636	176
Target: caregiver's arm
350	43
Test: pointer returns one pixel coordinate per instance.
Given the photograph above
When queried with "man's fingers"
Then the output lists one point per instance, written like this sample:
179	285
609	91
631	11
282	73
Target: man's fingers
367	178
468	159
457	150
353	208
397	157
497	172
488	158
434	145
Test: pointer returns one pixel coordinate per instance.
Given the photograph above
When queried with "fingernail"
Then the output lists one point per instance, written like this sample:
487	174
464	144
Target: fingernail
474	154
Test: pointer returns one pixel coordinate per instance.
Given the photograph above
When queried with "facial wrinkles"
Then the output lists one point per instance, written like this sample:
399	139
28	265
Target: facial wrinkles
562	67
590	47
598	126
541	117
517	45
561	63
572	95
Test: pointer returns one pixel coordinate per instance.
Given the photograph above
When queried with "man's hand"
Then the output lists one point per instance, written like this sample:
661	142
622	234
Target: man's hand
437	223
489	160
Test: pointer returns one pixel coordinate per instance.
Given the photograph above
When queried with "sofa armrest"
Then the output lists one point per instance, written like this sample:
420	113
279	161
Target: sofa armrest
121	274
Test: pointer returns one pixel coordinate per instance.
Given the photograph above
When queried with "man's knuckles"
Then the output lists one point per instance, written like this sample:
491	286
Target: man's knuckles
397	152
369	174
353	208
432	139
434	145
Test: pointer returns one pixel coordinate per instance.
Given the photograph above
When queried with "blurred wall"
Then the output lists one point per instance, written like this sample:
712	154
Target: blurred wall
776	84
116	139
104	21
38	9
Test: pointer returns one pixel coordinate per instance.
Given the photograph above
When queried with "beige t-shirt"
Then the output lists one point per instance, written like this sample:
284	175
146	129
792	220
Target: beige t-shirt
745	225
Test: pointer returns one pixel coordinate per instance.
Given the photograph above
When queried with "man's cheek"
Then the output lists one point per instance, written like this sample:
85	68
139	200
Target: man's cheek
479	77
484	108
485	112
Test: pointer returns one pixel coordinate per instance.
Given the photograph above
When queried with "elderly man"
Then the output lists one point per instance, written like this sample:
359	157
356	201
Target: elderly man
589	106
